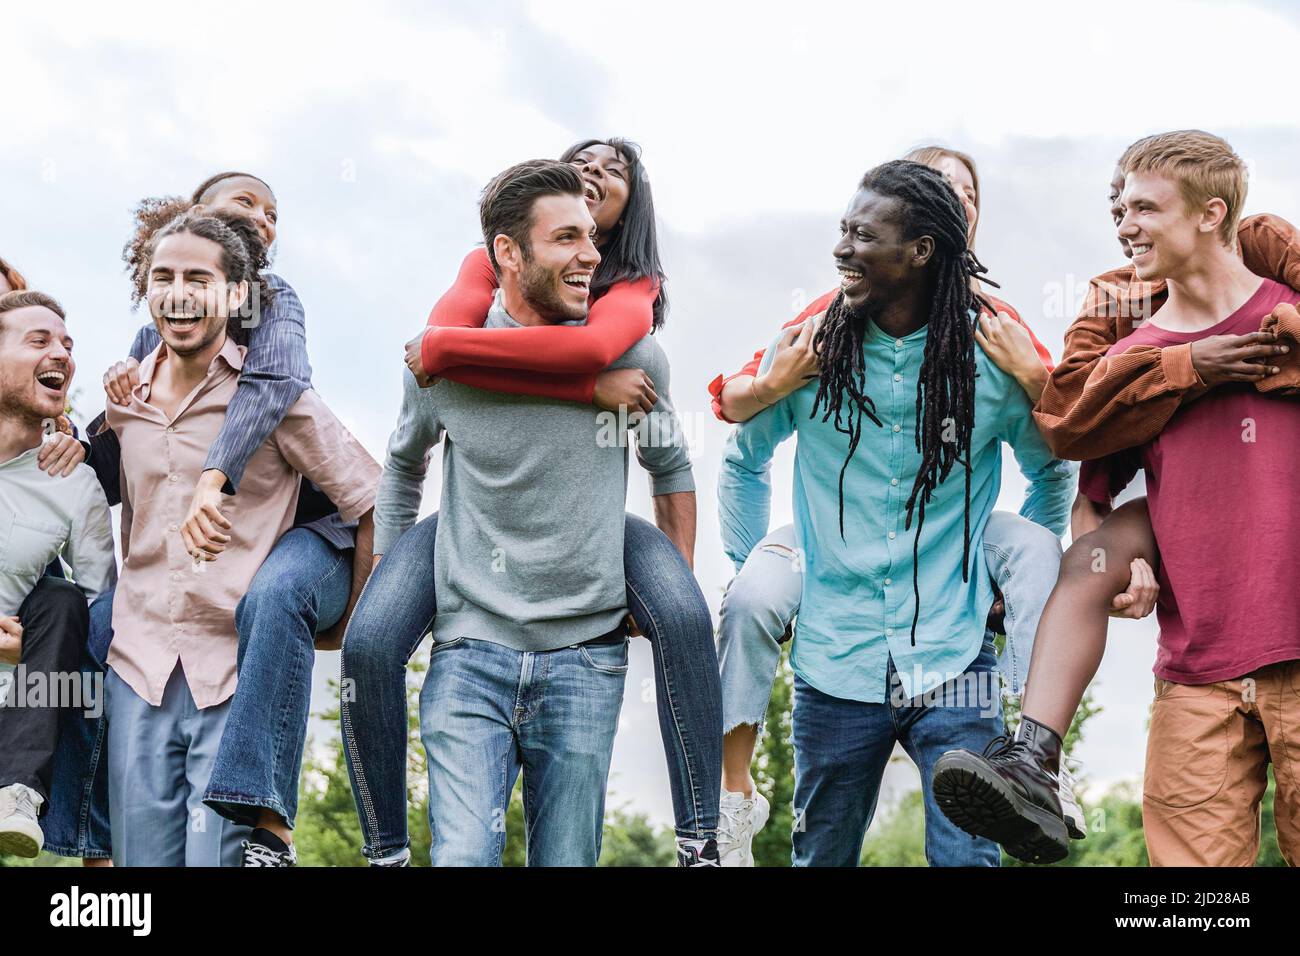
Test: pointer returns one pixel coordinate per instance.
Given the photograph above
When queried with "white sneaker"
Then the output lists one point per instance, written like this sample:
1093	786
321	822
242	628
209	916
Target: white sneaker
1070	809
20	834
739	819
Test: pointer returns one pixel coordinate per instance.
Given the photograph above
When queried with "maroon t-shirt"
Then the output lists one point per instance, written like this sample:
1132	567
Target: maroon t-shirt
1224	495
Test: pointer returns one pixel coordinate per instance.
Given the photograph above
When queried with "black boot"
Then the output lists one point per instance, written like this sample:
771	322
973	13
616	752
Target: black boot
1008	794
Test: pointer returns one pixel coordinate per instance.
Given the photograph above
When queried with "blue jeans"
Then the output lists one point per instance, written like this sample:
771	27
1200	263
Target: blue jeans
159	762
841	748
76	822
298	590
397	610
486	712
301	589
1022	557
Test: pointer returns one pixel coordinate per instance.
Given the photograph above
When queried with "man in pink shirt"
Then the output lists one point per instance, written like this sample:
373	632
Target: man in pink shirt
174	653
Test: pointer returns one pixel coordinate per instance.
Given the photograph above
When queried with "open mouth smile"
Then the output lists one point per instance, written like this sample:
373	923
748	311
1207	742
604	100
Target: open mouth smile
53	379
182	323
579	280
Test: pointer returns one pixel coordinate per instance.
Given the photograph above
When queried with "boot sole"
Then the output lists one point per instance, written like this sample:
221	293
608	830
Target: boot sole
981	803
19	844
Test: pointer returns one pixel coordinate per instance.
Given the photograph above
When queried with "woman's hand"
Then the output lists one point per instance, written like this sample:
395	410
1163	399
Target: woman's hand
11	640
120	380
794	365
415	360
204	528
629	388
60	454
1008	345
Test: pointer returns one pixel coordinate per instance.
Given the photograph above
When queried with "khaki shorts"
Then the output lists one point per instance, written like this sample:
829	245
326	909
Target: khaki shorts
1208	752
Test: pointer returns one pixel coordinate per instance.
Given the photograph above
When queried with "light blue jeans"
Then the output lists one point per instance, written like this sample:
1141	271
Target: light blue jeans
159	762
1022	558
486	712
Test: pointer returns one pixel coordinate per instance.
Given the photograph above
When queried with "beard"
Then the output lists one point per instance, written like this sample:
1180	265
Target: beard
542	288
14	407
859	314
210	333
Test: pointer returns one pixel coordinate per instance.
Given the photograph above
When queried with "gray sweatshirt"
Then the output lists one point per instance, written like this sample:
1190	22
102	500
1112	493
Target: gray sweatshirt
529	550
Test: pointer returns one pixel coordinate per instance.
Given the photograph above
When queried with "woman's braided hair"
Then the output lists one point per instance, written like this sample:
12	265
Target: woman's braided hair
945	394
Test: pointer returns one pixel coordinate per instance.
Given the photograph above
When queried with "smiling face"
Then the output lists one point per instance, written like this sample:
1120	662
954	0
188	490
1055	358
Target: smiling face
963	184
1163	234
1117	208
553	271
188	294
606	179
875	261
36	365
247	197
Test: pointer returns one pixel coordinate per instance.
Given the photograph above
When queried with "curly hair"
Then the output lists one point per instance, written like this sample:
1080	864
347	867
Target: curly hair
152	214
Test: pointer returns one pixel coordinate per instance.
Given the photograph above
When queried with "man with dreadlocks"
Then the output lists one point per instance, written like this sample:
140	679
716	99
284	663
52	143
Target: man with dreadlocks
888	643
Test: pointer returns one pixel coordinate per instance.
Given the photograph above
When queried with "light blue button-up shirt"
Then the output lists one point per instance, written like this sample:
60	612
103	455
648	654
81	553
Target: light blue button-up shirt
857	605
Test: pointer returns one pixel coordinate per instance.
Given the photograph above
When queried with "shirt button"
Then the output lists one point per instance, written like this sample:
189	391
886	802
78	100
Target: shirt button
897	428
898	343
897	377
172	527
170	429
889	581
889	632
173	477
891	536
892	481
176	576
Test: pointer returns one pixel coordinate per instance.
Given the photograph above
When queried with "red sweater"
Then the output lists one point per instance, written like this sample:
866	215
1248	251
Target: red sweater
820	305
554	361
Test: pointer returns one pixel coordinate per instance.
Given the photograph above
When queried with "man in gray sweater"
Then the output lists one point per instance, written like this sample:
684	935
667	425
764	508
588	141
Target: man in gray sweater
530	646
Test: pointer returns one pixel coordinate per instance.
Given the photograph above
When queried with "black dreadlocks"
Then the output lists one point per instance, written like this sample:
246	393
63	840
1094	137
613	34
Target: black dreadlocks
945	393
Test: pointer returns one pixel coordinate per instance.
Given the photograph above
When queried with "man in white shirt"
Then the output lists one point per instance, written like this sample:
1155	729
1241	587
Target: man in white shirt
43	620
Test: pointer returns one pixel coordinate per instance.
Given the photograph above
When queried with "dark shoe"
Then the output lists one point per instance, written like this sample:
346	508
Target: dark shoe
698	853
266	849
1008	794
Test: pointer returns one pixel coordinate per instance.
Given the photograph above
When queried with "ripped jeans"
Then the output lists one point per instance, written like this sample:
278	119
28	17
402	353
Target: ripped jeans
1022	557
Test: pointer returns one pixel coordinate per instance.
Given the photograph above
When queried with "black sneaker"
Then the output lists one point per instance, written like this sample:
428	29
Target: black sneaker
266	849
698	853
1008	794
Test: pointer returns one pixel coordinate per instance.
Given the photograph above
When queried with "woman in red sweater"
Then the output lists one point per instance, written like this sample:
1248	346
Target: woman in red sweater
763	598
567	363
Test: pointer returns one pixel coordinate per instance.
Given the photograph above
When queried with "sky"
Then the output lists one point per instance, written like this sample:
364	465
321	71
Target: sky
378	124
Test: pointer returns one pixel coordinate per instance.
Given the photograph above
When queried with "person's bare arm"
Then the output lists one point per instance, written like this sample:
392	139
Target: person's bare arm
1086	516
793	367
1010	347
675	517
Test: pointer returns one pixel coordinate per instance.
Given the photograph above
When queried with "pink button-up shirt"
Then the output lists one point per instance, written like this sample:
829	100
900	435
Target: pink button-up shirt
168	607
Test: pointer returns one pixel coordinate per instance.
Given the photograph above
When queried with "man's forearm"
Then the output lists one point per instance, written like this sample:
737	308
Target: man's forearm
675	516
